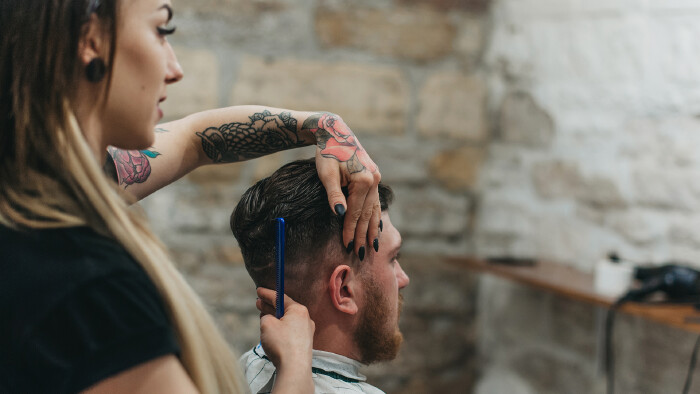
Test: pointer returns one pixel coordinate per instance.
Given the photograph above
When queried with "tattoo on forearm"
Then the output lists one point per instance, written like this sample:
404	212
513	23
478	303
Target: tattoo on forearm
338	142
133	166
265	133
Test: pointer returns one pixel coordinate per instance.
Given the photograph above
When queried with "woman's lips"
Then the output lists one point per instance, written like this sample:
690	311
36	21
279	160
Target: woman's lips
160	111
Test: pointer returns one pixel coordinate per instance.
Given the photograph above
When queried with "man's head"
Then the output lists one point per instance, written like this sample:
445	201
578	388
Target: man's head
359	298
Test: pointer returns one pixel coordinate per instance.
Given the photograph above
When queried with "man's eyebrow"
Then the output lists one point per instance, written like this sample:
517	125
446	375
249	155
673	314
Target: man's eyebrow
396	250
168	8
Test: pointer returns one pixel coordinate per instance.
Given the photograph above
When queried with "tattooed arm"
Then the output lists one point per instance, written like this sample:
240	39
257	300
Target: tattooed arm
245	132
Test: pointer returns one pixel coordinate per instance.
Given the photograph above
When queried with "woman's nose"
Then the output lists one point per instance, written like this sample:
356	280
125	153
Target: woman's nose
174	71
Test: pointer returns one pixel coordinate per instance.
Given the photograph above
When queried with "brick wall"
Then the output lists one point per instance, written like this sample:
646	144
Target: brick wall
559	129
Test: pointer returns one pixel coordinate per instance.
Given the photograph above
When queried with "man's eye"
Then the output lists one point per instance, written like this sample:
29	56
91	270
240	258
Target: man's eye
166	31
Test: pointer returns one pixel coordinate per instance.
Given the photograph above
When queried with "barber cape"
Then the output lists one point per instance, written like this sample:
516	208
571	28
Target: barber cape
332	373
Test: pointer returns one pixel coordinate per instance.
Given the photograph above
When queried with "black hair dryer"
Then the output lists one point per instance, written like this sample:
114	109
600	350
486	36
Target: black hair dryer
676	281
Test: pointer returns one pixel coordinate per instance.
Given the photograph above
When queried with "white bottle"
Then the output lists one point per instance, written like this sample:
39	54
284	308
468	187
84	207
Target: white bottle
613	276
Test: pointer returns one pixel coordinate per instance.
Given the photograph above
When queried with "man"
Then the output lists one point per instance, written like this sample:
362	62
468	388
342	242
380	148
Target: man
353	299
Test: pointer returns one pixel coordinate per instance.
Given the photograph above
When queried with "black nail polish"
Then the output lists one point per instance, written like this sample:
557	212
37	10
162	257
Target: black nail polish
340	209
381	225
376	244
350	247
361	253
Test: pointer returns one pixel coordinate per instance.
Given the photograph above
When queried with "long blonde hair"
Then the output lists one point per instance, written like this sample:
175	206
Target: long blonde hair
49	177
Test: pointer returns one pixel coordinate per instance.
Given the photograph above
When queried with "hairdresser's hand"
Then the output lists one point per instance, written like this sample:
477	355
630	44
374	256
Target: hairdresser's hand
287	342
342	161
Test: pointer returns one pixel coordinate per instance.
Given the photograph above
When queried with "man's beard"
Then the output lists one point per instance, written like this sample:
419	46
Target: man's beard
375	341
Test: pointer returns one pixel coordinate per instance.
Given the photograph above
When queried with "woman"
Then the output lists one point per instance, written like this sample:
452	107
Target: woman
88	296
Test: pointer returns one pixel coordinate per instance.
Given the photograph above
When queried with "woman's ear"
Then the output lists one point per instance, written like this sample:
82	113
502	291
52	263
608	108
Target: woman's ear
93	41
342	288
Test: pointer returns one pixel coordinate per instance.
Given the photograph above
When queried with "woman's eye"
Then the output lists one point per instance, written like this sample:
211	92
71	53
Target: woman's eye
166	31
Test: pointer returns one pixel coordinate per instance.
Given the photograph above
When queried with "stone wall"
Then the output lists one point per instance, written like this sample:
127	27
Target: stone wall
405	75
556	129
594	106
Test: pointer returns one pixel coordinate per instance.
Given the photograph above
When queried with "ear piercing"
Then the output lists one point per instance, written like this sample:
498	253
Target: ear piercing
95	70
93	5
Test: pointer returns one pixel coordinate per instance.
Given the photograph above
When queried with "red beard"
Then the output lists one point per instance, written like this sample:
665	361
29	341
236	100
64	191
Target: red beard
375	341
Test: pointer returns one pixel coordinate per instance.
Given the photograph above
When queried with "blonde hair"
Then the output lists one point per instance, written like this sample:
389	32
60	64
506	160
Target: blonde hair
49	177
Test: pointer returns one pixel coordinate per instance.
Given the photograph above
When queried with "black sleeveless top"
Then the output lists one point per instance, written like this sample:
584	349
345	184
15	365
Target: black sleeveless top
75	308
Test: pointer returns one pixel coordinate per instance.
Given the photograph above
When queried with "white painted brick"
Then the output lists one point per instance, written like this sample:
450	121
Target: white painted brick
674	50
621	82
682	6
664	189
536	9
612	7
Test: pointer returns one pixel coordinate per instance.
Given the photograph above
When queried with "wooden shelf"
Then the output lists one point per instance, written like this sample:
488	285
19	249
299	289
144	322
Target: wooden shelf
577	285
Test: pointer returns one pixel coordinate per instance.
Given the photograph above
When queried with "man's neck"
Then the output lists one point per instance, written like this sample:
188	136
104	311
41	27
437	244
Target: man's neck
333	339
334	334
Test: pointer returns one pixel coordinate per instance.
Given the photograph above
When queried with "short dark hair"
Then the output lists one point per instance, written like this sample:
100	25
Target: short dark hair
313	231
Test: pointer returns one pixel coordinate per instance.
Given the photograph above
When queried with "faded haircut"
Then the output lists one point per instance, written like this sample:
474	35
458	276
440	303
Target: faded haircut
313	231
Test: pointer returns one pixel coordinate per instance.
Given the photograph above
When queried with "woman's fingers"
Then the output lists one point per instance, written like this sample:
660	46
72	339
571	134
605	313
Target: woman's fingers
329	173
267	301
373	229
266	297
264	307
289	339
353	229
364	232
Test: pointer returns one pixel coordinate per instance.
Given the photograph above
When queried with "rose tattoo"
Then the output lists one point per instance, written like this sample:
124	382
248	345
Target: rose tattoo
132	166
337	141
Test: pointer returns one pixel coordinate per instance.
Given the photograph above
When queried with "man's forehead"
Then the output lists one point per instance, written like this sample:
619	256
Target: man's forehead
391	237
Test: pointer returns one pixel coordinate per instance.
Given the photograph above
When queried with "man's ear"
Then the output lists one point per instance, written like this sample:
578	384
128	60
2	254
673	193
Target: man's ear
93	41
342	288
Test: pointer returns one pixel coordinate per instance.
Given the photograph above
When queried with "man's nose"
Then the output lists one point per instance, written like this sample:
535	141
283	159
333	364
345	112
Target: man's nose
174	70
401	277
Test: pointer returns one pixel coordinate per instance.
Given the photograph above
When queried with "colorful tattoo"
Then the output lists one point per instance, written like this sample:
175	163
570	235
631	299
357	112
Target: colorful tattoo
337	141
265	133
133	166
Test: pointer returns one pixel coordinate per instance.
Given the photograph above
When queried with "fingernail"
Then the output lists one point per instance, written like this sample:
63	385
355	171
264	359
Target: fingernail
361	253
376	244
381	225
340	209
351	246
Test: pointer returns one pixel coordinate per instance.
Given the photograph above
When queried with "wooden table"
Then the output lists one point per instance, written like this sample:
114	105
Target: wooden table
577	285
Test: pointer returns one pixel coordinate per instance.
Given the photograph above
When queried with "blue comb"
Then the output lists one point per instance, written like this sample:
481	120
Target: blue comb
279	312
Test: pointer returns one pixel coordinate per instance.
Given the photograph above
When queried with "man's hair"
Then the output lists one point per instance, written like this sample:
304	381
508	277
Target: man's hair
313	231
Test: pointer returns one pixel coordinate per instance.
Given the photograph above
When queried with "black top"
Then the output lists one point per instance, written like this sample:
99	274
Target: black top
75	308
